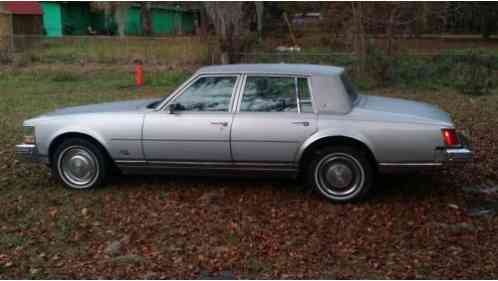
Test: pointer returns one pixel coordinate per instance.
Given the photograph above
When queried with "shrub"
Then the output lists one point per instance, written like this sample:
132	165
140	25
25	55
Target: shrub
475	72
380	66
65	76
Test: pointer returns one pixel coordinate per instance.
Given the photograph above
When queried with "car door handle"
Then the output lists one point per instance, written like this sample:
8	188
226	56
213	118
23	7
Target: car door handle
224	124
304	123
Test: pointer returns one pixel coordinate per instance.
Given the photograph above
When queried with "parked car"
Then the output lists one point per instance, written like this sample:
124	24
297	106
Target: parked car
301	120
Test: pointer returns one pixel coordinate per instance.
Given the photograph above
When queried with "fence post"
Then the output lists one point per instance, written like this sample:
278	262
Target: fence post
11	23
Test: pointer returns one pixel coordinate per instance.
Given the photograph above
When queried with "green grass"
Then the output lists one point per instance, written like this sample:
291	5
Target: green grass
42	225
174	50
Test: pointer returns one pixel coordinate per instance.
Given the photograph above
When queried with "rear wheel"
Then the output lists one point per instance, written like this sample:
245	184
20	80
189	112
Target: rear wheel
80	164
341	173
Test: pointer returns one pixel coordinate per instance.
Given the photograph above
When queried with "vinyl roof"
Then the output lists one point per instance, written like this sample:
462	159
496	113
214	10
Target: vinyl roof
279	68
24	8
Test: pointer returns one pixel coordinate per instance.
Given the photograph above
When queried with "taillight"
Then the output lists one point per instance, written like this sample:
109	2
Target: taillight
450	137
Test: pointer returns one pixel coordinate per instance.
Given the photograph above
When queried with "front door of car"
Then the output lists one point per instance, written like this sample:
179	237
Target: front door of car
197	128
275	116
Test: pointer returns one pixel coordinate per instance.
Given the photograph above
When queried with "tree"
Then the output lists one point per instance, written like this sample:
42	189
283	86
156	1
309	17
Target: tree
228	21
259	19
146	18
489	15
121	16
119	10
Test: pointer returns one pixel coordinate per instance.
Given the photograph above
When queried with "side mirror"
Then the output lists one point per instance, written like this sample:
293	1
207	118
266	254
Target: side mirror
171	108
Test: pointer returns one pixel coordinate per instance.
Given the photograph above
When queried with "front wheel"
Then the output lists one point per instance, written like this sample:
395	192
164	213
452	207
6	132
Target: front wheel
341	173
79	164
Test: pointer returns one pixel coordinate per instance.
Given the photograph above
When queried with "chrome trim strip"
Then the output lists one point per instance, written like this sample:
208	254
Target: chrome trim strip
458	150
195	163
240	93
130	162
422	164
269	141
219	163
262	74
297	95
182	140
125	139
207	166
314	107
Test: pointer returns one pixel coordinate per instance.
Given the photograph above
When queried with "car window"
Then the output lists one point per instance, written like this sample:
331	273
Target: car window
269	94
207	94
350	89
304	95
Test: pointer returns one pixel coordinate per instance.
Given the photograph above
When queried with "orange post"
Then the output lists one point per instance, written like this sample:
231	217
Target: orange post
139	74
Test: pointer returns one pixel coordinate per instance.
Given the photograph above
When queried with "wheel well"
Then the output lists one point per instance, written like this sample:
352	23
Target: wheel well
336	140
60	139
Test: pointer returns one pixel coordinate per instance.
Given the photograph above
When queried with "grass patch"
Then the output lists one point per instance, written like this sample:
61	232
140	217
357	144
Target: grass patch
78	49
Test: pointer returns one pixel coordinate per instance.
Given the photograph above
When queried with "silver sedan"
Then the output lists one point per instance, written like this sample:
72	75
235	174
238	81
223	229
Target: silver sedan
298	120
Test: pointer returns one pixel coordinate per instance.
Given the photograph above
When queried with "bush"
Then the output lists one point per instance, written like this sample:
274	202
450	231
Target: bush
5	58
65	76
475	72
380	66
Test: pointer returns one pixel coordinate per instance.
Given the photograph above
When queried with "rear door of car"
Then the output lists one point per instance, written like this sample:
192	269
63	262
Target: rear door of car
274	116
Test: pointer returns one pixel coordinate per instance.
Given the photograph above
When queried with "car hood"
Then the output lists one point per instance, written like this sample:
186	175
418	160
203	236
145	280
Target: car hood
131	105
406	109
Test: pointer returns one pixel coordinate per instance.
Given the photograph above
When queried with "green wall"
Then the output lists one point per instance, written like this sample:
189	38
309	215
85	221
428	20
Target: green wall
74	18
168	21
52	19
134	22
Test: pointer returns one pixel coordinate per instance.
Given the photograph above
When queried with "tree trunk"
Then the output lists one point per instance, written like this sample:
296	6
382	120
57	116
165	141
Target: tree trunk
146	18
227	20
259	16
121	15
359	42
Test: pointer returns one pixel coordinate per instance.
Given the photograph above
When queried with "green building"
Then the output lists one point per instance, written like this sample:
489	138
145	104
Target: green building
78	18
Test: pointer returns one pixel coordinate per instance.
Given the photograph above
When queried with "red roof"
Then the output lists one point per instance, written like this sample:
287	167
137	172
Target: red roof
24	8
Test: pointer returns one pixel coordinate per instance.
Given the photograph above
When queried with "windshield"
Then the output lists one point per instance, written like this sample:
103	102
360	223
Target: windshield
350	89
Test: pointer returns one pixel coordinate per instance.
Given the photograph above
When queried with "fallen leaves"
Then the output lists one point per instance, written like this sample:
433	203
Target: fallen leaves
414	226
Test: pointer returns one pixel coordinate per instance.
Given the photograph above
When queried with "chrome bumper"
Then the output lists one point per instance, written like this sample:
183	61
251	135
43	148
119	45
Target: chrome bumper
456	155
442	157
29	153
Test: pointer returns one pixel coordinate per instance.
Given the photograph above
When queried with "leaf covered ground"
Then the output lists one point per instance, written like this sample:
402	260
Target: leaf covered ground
413	226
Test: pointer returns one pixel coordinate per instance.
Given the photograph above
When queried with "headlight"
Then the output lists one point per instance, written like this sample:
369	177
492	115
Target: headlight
29	135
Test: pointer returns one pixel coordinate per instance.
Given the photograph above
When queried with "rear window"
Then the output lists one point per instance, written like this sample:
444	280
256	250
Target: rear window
350	89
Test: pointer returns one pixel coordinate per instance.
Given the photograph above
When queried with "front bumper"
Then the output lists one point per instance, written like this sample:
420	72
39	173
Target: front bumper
29	153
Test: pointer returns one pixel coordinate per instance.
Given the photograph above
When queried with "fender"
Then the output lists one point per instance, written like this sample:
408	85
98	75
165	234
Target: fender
327	133
77	130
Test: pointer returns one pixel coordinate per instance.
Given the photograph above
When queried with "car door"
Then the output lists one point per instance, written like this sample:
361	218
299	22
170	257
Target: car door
198	129
274	117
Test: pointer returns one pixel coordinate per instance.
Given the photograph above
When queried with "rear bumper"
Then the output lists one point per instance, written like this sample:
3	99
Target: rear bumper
29	153
442	157
455	155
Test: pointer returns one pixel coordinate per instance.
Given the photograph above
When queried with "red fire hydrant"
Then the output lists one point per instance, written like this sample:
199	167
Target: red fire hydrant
139	73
